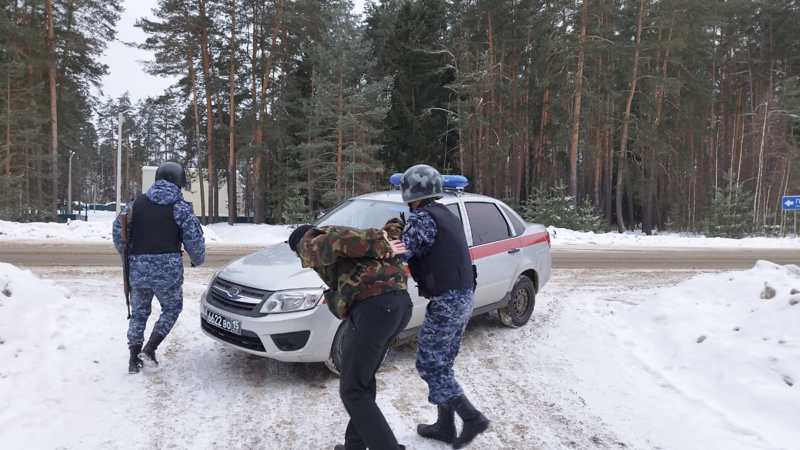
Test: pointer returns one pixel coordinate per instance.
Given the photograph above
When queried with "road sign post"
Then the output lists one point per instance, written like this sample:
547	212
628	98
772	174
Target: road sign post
791	203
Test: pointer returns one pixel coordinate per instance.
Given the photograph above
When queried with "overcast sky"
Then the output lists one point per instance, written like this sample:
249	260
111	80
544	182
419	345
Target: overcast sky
126	72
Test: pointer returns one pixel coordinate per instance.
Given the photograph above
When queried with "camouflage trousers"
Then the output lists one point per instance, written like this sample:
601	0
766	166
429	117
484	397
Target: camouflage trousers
171	301
439	341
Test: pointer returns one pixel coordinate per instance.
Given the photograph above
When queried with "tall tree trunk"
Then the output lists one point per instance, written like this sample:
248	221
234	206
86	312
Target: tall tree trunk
258	134
609	174
7	165
734	138
339	135
598	167
206	57
196	113
232	209
626	121
764	129
540	141
652	157
576	109
51	49
261	175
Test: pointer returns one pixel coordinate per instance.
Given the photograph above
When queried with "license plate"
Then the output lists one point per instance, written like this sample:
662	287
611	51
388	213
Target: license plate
222	322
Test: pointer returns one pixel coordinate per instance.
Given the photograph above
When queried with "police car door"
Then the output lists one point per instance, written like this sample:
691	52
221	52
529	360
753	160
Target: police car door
495	261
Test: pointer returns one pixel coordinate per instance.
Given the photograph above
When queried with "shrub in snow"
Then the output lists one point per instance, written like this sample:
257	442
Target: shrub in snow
295	210
731	213
556	208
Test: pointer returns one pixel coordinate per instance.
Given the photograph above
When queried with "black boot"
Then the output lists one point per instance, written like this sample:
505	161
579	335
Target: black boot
149	350
475	423
445	427
135	363
342	447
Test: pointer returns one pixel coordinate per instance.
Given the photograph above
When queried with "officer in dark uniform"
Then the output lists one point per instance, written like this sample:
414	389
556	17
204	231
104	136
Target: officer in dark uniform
439	259
157	224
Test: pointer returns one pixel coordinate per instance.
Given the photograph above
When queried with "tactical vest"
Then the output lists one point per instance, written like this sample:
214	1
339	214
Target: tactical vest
448	264
154	230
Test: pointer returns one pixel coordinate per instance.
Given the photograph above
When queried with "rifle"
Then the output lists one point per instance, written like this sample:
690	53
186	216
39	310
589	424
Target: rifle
126	222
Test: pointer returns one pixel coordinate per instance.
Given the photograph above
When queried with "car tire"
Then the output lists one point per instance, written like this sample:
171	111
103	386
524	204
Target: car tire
334	361
520	306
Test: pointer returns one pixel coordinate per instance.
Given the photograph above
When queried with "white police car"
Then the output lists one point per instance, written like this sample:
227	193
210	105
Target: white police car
267	304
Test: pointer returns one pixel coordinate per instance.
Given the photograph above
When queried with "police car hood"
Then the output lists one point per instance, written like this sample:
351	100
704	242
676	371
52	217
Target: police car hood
275	268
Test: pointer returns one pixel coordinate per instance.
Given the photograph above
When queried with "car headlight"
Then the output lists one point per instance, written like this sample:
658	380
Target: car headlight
292	301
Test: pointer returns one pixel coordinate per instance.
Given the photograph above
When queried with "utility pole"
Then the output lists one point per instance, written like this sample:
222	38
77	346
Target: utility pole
119	167
69	185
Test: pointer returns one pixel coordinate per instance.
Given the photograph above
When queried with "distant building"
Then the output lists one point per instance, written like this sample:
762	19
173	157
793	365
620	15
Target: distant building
191	193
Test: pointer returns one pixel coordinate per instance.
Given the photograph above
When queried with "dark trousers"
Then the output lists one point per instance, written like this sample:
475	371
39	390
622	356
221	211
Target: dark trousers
375	323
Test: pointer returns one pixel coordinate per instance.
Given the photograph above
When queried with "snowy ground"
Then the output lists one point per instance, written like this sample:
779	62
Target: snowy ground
610	360
562	237
98	229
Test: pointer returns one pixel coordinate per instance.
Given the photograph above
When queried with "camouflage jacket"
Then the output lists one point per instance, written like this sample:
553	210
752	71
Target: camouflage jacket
355	264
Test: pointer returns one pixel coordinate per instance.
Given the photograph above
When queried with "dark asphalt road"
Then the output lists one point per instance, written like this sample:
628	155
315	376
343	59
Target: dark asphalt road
32	254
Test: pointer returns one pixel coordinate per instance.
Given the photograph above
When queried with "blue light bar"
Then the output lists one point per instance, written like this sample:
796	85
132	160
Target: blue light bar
455	182
458	182
396	180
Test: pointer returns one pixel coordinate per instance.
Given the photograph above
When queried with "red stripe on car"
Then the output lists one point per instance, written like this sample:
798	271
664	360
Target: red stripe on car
486	250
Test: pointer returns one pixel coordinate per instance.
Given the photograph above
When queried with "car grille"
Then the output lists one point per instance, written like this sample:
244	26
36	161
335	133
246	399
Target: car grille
246	302
248	339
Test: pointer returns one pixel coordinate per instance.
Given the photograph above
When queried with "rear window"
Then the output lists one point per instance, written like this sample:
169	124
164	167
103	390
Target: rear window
453	207
519	227
487	223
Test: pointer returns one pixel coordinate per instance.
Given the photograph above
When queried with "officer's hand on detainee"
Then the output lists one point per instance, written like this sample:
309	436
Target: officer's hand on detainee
397	246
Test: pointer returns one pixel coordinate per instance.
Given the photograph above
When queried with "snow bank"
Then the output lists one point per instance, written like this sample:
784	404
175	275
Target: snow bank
563	237
730	341
97	229
250	234
56	383
73	231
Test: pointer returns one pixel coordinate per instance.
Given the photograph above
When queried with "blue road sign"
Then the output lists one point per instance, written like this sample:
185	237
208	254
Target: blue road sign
791	203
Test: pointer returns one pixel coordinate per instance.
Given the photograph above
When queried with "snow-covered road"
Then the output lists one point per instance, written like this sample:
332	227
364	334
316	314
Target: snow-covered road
573	378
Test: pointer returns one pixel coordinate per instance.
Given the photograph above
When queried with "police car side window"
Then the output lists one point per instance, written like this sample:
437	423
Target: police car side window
487	224
453	207
519	227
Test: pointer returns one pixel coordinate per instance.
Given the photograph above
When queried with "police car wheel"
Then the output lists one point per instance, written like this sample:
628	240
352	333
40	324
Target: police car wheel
520	306
334	361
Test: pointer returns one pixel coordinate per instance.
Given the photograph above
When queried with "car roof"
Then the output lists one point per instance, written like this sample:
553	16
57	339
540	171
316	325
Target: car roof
395	196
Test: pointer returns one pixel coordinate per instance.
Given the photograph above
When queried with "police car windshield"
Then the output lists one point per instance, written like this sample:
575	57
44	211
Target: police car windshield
359	213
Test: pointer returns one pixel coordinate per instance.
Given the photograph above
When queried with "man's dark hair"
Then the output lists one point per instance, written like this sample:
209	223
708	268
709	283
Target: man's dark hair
297	235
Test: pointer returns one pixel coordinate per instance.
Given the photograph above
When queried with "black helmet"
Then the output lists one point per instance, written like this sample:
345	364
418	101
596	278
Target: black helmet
172	172
421	182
